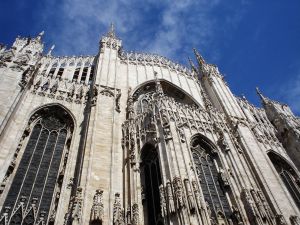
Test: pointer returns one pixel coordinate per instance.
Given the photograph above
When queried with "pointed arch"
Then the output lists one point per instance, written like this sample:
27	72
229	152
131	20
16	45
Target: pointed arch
288	174
207	167
17	216
29	218
58	105
168	87
3	220
33	186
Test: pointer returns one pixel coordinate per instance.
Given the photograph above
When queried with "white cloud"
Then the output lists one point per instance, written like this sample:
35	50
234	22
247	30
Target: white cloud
178	25
290	92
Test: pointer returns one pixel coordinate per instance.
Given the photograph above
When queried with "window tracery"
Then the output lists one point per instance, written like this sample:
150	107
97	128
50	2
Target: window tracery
204	156
288	175
35	183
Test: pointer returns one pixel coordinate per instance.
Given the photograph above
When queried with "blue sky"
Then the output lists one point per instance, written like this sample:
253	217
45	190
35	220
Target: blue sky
254	43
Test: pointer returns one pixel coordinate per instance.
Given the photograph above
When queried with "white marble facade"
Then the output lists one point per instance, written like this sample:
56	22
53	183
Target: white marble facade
135	138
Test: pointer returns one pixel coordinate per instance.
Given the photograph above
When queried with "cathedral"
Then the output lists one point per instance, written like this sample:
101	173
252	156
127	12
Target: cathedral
126	138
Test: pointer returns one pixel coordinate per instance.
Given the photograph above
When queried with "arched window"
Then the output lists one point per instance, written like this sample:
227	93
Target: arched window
287	174
36	178
151	179
212	185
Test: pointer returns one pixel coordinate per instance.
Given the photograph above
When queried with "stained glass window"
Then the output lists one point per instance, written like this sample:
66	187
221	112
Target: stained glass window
288	176
206	167
37	174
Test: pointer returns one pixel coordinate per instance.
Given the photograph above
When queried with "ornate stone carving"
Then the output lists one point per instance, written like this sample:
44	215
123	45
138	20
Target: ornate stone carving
130	107
236	215
118	211
94	95
252	210
295	220
171	203
41	220
106	91
167	131
135	214
143	194
25	76
280	220
223	179
208	210
71	183
265	205
152	59
97	211
259	204
222	142
181	132
77	207
178	191
163	204
118	96
189	194
200	202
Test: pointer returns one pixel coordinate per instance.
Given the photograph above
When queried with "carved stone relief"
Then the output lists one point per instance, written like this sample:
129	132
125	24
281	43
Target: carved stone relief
97	211
118	211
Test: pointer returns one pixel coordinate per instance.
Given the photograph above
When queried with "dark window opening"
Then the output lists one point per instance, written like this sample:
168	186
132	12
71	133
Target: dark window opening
96	222
84	74
91	75
52	71
151	178
36	177
213	192
60	72
76	74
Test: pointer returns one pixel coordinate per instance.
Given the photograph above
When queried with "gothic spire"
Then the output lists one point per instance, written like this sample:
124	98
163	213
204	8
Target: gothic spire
50	50
263	98
111	33
192	65
39	37
199	58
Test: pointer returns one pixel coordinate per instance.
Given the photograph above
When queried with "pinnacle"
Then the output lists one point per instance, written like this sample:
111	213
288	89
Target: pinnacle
50	50
263	99
199	58
111	32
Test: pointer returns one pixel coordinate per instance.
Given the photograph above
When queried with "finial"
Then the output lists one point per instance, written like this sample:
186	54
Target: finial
39	37
192	65
199	58
244	97
263	99
111	32
50	50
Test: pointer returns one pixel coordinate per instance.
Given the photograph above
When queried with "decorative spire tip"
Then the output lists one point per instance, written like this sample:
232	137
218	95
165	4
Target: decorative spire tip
111	32
200	59
263	99
50	50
